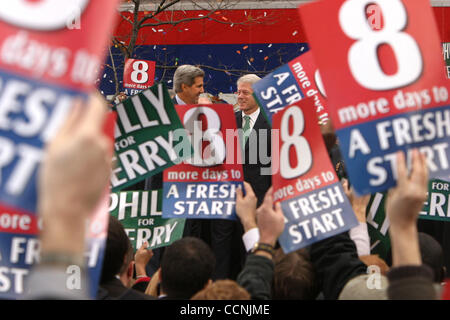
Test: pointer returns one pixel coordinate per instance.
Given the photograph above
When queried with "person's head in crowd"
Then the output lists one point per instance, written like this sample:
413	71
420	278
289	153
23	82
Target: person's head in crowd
222	290
365	287
118	259
186	268
188	83
294	277
246	101
432	256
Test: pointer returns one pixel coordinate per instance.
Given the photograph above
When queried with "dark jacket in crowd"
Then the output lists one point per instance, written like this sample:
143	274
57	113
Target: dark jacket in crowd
257	276
115	290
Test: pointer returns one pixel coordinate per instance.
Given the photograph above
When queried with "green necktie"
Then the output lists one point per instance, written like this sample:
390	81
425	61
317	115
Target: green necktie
246	129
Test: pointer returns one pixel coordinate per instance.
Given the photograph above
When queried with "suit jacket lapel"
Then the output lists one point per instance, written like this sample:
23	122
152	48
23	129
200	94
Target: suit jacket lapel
261	122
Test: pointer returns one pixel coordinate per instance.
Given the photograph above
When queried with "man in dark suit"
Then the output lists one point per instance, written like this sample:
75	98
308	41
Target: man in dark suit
256	142
256	138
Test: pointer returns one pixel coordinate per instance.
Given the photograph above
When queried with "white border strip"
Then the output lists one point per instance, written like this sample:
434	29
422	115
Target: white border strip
240	5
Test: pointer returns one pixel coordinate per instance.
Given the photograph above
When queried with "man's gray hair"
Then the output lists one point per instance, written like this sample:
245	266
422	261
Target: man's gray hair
186	74
248	78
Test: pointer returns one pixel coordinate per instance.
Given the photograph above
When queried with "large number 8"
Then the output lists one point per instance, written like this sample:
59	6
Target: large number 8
41	15
296	140
363	54
216	149
139	68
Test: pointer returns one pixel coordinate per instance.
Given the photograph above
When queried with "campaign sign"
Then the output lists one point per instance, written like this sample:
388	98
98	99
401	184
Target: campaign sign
138	75
386	87
147	130
204	186
437	205
46	61
290	83
435	208
312	198
378	226
141	215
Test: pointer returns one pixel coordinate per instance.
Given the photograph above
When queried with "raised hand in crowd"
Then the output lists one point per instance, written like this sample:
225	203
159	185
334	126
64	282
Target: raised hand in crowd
72	179
270	220
141	258
246	207
358	234
359	203
408	278
406	199
257	274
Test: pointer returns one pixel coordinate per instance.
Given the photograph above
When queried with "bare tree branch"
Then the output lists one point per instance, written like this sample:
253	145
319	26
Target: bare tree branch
116	80
160	9
174	23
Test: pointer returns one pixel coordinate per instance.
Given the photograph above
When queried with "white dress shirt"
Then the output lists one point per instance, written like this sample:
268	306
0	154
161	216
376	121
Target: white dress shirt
253	116
179	101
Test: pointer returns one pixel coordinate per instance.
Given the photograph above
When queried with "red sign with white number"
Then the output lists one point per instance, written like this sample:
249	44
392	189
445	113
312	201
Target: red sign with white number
304	182
204	186
138	74
385	85
50	55
366	68
302	166
35	42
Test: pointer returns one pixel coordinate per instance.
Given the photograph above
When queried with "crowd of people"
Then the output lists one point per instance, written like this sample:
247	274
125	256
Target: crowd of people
222	259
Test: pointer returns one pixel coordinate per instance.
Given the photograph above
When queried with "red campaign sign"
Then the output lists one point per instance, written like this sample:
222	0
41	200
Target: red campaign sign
138	74
309	77
47	40
312	198
302	164
371	74
16	221
216	125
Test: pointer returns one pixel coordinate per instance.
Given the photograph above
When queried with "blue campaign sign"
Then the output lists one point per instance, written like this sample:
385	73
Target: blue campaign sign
22	252
371	147
30	114
200	200
95	253
44	66
277	90
17	258
290	83
315	216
